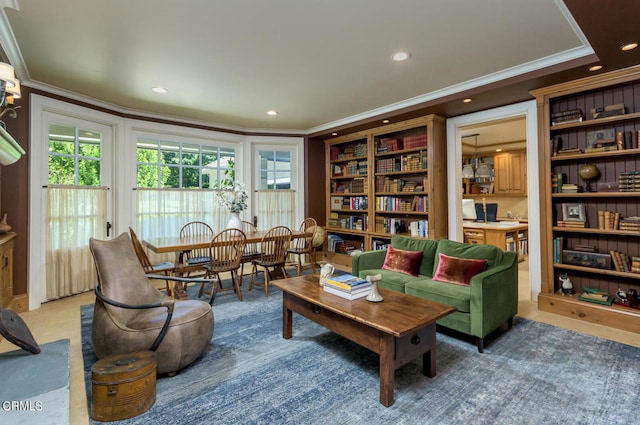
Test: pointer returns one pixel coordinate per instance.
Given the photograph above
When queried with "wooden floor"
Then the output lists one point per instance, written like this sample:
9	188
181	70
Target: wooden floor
61	319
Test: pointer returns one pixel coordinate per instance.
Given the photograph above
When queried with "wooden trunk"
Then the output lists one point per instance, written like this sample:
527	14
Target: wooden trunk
123	386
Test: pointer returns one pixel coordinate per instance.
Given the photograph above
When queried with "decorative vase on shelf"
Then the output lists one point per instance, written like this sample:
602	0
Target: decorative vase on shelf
234	221
4	227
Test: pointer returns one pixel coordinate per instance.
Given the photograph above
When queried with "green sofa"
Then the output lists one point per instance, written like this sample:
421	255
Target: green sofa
490	300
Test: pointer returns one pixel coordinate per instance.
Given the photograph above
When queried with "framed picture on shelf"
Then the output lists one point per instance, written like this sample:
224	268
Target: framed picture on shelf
573	212
601	137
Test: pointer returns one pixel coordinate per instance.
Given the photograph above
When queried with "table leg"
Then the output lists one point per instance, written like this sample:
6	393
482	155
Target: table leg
387	369
429	358
287	318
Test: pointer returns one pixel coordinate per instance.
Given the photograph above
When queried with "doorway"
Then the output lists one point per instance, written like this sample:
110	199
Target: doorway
456	127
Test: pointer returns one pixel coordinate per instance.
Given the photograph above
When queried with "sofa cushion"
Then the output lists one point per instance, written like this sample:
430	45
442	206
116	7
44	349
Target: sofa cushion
402	261
457	296
390	280
427	246
458	270
491	253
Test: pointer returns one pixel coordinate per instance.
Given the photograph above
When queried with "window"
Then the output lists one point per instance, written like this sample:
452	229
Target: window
274	170
174	181
165	164
74	156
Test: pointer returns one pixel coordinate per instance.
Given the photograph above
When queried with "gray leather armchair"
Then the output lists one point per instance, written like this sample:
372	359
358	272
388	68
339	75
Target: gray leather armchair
130	314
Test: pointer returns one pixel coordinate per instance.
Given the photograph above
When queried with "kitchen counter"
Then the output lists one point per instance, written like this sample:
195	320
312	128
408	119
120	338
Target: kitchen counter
507	235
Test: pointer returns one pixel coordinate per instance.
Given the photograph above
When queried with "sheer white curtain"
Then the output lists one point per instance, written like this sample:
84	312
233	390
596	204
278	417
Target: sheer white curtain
276	208
163	212
74	214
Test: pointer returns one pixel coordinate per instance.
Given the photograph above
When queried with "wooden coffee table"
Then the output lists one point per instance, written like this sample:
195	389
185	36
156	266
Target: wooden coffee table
399	329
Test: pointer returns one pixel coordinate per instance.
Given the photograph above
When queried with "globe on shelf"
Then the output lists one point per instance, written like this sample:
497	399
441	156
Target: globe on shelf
588	173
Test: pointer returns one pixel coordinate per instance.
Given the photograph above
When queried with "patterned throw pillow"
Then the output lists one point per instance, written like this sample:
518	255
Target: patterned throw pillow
401	261
458	270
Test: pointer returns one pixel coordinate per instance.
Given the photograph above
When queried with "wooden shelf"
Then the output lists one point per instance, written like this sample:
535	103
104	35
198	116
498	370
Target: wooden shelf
596	122
594	270
597	195
591	155
399	173
622	86
614	316
596	231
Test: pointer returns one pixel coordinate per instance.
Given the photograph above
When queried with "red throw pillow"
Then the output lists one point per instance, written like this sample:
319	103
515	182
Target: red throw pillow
458	270
401	261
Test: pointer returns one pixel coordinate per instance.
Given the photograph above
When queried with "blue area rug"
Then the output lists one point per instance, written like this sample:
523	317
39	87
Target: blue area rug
34	389
532	374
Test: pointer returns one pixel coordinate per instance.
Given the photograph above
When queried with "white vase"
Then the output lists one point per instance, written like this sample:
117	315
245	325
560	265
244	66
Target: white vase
234	221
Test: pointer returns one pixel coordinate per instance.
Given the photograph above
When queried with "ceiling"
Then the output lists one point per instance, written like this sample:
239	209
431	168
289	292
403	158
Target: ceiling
324	66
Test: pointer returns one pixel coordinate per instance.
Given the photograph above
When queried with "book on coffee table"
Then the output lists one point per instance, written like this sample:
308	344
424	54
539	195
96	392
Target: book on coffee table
348	295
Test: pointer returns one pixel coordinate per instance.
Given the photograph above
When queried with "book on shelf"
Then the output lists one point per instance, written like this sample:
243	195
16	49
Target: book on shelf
558	246
565	117
571	188
629	223
346	281
608	220
602	298
569	151
571	223
557	182
346	295
608	111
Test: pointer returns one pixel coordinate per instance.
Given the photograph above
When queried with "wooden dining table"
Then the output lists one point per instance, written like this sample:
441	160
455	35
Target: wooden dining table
182	246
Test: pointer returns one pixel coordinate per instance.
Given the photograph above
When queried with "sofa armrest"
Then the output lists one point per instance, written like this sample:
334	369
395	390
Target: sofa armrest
367	260
494	295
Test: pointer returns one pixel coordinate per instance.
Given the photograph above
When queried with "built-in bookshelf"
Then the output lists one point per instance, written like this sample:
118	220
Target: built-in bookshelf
387	180
590	200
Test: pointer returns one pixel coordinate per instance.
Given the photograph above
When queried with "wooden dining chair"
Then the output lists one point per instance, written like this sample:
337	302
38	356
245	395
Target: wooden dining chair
166	268
195	259
303	246
225	254
274	245
252	250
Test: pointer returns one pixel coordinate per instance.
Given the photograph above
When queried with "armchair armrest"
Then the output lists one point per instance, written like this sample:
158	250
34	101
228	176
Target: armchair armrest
367	260
214	282
494	295
168	303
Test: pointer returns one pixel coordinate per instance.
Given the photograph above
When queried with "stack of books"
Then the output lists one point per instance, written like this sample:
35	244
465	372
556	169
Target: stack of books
629	181
570	188
572	223
596	295
564	117
630	223
347	286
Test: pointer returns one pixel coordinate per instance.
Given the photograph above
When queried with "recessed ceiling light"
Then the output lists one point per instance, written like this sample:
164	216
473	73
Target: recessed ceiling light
385	121
467	100
400	56
595	68
629	46
272	112
160	90
334	134
498	150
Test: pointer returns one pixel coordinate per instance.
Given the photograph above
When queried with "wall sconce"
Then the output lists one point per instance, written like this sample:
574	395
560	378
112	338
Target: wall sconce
10	150
9	90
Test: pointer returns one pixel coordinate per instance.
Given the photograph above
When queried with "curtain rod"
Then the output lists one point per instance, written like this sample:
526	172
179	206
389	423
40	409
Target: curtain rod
62	186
